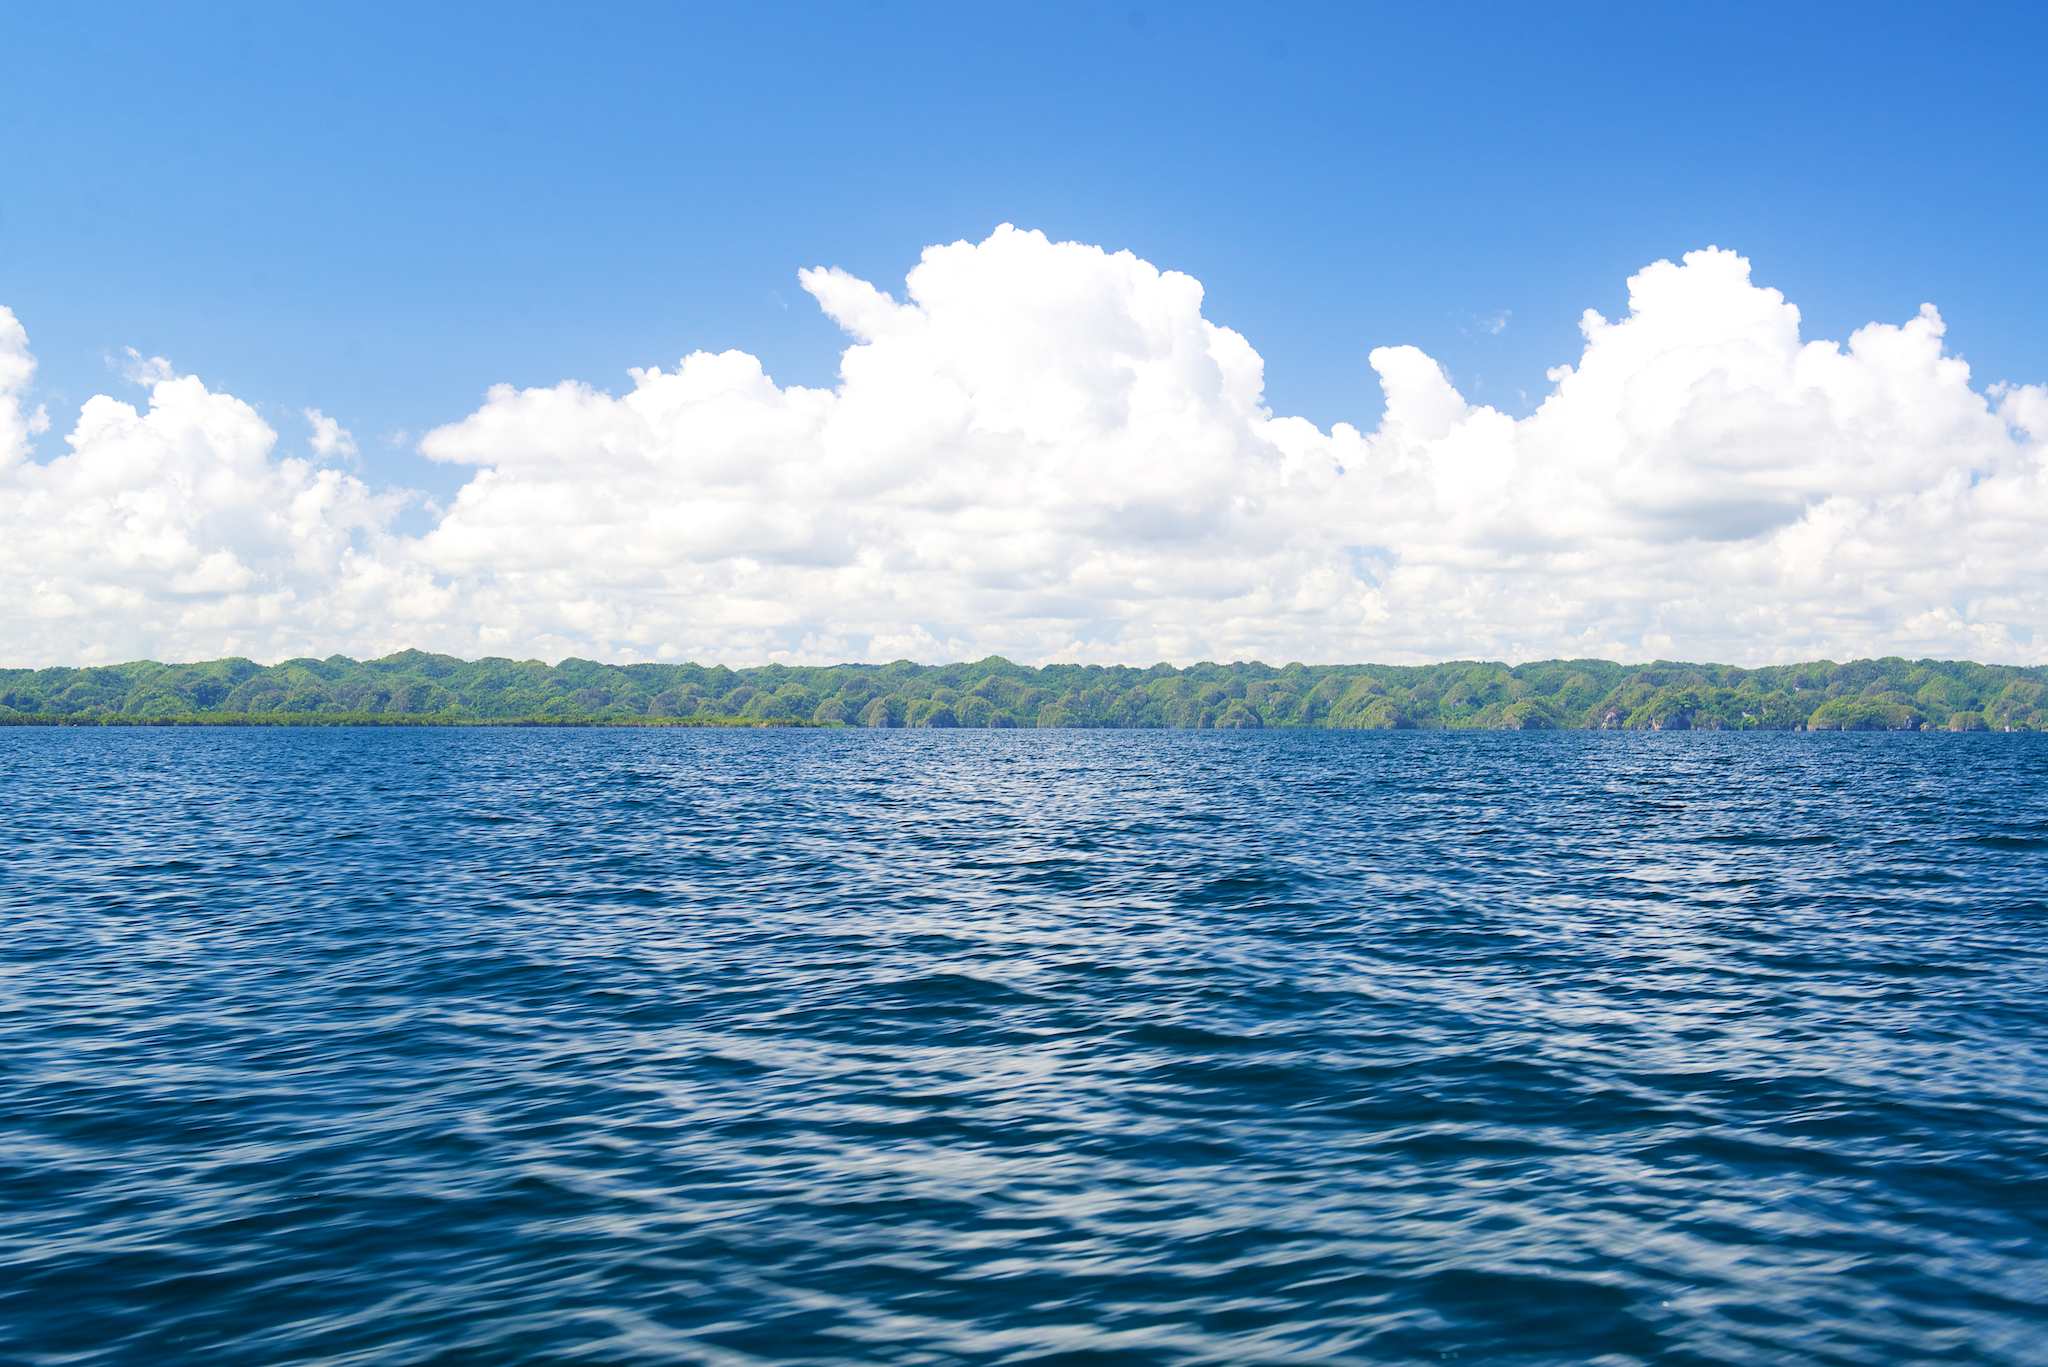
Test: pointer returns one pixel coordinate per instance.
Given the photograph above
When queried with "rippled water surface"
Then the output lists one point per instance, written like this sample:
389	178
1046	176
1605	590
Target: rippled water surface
546	1046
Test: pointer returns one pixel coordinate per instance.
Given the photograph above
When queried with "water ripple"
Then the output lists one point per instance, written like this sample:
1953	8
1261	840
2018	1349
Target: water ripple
411	1046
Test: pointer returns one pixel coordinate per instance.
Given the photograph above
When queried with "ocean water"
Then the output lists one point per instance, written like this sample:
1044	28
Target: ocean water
400	1046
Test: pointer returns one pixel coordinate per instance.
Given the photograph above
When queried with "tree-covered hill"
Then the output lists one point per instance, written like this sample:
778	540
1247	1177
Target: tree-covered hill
414	687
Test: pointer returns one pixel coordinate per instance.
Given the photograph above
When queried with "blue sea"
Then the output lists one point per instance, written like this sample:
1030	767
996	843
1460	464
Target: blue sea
539	1046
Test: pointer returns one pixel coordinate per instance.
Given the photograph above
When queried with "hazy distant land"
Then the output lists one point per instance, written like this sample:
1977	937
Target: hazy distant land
413	688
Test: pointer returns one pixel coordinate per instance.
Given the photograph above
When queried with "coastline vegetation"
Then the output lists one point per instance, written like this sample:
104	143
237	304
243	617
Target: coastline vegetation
416	688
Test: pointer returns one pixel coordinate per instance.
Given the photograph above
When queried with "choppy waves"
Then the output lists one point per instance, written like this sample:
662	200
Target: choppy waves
410	1046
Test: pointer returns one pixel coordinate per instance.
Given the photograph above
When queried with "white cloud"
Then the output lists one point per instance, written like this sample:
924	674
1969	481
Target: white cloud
174	531
145	371
1046	450
330	440
17	369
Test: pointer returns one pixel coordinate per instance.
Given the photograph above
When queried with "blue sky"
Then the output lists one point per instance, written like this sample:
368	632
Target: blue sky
382	210
1052	452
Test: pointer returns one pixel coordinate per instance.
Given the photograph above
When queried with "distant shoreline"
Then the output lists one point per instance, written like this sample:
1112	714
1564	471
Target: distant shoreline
256	721
414	688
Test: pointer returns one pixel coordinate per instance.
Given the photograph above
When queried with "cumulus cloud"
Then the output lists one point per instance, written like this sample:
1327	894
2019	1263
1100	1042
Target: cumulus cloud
1046	450
330	440
17	368
145	371
174	530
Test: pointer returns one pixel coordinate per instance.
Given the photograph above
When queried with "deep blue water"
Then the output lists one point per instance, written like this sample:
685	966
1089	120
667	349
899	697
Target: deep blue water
792	1047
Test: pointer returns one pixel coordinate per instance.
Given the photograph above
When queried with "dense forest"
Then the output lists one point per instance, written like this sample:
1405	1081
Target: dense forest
414	688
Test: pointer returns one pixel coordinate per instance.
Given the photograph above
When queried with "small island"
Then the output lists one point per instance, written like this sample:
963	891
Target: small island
417	688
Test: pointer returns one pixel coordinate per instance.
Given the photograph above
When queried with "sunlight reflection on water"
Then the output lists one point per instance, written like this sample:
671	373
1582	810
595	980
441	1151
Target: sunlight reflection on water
806	1047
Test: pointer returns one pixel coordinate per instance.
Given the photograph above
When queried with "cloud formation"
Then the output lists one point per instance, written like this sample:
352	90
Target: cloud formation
1045	450
329	439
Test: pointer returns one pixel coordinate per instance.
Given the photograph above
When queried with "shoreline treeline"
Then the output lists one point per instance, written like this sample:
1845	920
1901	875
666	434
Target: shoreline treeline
414	688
